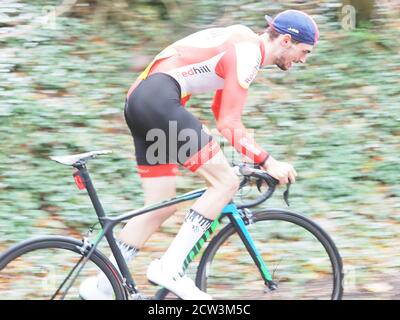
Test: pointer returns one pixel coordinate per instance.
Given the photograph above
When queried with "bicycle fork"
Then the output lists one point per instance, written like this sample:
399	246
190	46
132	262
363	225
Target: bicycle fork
235	217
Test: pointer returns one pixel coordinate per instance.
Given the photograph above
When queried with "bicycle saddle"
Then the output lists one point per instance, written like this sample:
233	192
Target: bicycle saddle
81	157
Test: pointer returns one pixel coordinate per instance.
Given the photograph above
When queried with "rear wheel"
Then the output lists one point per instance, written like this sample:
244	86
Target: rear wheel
300	256
35	269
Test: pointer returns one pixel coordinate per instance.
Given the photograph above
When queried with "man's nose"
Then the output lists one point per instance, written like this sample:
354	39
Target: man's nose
303	60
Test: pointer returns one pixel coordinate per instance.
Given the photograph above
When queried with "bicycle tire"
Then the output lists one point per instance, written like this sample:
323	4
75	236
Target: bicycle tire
71	245
276	215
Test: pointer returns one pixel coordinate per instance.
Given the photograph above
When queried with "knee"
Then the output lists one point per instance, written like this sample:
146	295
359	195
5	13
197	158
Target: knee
234	183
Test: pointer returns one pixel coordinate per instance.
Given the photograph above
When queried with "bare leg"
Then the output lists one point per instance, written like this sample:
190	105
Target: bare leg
139	229
222	186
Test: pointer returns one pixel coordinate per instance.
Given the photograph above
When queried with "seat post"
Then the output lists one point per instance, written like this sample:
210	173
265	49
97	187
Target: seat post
91	191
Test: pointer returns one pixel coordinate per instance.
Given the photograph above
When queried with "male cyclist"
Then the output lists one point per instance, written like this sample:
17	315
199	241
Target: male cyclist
225	61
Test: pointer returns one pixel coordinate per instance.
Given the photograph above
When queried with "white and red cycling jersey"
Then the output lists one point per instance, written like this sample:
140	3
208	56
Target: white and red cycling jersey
224	60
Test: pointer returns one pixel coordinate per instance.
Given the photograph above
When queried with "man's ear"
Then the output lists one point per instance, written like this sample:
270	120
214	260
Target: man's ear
286	40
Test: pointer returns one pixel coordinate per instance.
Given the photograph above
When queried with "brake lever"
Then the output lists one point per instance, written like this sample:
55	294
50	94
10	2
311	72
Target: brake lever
286	195
259	184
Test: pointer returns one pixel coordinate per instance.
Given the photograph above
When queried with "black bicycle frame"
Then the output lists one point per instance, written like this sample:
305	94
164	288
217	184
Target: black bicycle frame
108	224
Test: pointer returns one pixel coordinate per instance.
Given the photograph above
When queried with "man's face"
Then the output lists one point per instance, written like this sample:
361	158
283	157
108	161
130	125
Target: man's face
290	53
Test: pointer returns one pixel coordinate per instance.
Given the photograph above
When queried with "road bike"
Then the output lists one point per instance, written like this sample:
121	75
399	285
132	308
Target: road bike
255	254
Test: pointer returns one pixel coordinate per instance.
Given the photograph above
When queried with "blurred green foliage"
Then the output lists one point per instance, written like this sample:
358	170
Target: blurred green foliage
336	119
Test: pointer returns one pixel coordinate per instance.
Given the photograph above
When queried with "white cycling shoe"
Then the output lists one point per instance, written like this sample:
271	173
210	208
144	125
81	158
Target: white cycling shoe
89	290
182	286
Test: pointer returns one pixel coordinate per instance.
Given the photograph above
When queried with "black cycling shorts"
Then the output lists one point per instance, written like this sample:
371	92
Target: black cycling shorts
164	132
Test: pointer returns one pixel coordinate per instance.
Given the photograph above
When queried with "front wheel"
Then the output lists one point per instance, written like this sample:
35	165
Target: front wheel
36	269
300	256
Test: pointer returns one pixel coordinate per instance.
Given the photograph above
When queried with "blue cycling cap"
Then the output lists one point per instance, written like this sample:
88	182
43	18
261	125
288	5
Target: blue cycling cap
298	24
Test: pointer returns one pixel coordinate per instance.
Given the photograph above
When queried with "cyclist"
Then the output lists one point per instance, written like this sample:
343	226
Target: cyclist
224	60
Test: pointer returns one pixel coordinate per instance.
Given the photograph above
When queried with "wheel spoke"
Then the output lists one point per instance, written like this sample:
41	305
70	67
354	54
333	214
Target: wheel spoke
65	281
